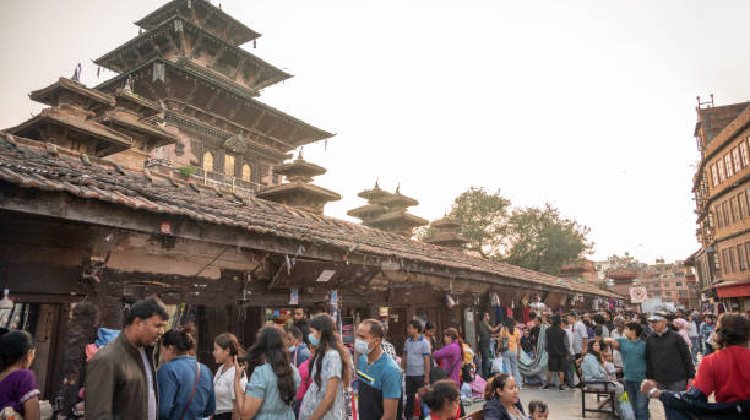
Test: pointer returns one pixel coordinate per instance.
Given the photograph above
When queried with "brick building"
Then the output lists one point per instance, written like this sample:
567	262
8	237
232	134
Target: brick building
672	282
721	185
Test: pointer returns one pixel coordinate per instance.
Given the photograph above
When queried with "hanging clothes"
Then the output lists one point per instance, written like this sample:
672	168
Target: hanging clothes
525	314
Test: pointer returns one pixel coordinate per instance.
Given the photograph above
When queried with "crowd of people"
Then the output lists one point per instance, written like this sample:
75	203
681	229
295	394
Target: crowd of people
304	371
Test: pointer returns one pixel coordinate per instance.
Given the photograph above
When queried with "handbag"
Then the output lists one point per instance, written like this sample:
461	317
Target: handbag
195	388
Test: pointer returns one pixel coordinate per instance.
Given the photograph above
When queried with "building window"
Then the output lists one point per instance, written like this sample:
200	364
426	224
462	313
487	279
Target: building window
722	174
747	255
678	284
732	260
741	257
247	173
725	211
724	261
733	210
728	165
736	159
714	175
744	155
208	162
229	165
719	219
742	205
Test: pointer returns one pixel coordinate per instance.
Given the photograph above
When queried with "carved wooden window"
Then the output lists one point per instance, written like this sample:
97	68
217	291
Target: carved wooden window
728	165
247	173
742	204
208	162
744	154
736	159
741	258
714	175
229	165
722	174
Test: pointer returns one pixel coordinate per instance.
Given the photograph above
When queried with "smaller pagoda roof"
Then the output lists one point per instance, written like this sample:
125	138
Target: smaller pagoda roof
368	210
50	95
374	194
125	119
398	200
398	218
446	222
310	191
446	238
299	168
116	141
209	17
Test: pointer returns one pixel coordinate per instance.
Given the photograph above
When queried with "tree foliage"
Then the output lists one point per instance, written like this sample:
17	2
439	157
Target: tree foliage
535	238
482	216
540	239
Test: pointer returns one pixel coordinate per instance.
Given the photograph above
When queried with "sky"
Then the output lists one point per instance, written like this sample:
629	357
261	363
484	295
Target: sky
587	105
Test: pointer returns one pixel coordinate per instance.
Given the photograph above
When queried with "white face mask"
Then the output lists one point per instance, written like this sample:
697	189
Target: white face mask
361	346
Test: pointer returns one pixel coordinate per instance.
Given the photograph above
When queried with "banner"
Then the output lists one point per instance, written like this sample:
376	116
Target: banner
638	294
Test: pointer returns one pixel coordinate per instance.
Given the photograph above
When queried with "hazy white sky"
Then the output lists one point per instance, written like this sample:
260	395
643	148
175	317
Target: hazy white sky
588	105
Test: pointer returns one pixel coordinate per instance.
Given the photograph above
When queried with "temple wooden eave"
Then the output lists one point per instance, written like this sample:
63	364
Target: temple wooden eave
164	41
49	95
203	90
232	29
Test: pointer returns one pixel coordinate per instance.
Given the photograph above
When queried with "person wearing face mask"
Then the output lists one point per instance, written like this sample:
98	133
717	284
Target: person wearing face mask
330	369
298	351
378	374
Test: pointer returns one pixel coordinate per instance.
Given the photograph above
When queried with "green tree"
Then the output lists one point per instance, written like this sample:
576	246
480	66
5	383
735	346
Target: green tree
534	238
540	239
482	216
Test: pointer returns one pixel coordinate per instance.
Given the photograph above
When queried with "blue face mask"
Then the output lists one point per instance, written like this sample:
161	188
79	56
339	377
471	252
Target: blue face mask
314	341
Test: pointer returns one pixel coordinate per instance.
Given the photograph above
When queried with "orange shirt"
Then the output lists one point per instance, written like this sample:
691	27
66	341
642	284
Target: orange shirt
513	339
726	373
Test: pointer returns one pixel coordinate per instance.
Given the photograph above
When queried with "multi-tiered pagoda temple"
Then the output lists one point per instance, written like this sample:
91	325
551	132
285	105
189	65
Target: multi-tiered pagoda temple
184	99
388	211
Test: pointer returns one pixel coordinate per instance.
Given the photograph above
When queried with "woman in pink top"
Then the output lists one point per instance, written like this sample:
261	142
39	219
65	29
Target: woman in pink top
451	356
305	380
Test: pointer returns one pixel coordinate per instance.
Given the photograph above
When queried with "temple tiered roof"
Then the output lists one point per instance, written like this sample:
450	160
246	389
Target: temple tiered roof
299	191
388	211
446	232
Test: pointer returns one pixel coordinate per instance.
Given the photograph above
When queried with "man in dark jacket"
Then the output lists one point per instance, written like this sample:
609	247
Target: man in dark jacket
668	359
556	347
120	378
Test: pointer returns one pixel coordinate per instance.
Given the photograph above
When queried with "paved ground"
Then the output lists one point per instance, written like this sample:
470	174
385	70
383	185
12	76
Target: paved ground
567	404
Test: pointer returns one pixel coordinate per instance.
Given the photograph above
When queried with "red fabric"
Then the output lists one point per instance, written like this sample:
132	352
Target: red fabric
525	318
726	374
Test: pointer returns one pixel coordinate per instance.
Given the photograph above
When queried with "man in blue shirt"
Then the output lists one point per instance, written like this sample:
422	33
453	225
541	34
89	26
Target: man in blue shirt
378	375
633	351
416	362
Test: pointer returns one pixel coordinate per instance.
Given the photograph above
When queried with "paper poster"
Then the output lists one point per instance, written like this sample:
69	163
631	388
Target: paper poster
294	296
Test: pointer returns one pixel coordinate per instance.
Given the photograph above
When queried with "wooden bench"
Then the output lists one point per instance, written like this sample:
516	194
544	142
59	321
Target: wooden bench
600	389
477	415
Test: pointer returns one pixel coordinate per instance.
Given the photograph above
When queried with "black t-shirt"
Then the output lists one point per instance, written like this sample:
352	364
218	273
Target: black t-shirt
484	335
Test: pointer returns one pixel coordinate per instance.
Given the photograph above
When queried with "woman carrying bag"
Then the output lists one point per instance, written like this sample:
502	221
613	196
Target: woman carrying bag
186	389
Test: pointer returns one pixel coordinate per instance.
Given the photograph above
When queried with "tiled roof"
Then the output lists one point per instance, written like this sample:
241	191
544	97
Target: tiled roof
29	164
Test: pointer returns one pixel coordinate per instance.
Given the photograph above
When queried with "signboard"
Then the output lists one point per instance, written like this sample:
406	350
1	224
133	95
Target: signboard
294	296
638	294
383	311
326	275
